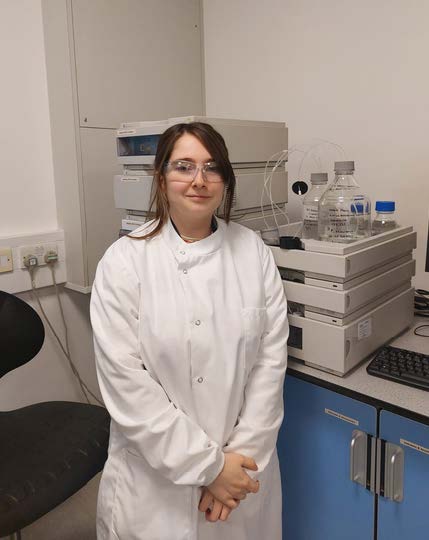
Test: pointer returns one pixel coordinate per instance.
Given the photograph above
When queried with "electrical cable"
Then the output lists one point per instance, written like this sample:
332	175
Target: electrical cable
421	308
81	381
66	349
419	328
421	302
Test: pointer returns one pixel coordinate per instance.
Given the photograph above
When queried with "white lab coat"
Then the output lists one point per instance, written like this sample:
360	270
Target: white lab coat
190	343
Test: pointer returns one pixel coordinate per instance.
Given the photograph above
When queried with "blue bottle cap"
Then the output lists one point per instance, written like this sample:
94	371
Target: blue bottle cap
357	208
385	206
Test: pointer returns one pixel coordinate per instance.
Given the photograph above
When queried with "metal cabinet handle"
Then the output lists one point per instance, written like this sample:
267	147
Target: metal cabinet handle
394	473
358	457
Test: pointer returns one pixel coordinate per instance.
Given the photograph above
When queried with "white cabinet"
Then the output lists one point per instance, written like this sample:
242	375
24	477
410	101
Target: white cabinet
110	62
137	60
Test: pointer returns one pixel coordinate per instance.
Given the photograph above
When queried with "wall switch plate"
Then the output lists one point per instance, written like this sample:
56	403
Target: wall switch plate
38	250
6	260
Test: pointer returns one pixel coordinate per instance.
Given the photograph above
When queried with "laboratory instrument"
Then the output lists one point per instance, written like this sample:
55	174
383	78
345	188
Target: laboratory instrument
384	219
251	146
337	222
402	366
310	205
346	300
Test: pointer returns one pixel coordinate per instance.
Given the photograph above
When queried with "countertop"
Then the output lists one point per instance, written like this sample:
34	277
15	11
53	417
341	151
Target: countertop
358	381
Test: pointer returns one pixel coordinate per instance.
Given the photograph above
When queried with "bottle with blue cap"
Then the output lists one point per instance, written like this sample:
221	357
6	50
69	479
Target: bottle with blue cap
361	218
384	218
339	217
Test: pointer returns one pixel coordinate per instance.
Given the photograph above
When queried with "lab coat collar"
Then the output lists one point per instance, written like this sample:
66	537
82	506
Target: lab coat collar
200	248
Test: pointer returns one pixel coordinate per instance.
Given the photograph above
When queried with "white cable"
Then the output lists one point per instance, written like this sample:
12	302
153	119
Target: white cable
309	151
283	154
268	181
267	187
338	146
323	142
273	204
66	349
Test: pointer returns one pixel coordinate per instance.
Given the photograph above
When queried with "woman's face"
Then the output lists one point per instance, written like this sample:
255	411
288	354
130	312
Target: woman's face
196	198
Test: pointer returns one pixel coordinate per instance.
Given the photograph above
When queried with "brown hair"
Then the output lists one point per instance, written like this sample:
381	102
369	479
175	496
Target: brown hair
215	145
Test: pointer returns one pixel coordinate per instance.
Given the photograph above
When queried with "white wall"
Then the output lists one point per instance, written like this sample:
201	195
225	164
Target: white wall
351	72
27	202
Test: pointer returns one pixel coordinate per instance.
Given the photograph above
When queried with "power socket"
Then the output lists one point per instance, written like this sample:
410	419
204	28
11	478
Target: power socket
38	250
6	259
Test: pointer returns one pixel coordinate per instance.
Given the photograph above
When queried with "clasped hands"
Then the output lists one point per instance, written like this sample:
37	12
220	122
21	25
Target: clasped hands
229	488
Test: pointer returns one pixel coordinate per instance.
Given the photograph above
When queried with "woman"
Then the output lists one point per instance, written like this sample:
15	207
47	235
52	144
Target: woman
190	333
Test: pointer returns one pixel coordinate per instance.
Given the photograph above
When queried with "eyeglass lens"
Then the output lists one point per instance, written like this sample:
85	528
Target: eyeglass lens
188	170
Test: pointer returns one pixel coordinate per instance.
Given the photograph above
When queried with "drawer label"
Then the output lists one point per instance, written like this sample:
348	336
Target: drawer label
416	446
126	131
364	329
342	417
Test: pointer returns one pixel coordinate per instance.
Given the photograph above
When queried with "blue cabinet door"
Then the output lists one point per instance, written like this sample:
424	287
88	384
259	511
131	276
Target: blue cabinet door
408	519
320	502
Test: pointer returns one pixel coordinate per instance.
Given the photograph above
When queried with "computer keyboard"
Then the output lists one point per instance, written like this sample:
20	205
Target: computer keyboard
402	366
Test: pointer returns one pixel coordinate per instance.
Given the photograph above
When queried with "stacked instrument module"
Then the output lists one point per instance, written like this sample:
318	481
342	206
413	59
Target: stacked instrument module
346	300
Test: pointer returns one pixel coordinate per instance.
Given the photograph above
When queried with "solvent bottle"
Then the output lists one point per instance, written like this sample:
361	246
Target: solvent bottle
384	218
361	218
310	208
337	218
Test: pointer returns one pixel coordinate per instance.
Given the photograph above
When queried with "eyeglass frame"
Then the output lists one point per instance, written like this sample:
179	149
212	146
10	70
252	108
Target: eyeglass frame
198	167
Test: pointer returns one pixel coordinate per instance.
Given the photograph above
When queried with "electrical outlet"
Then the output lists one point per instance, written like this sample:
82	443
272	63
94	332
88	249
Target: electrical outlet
6	260
38	250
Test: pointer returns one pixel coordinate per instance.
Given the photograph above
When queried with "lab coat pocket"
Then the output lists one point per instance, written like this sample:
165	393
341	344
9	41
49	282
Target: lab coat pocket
147	505
254	320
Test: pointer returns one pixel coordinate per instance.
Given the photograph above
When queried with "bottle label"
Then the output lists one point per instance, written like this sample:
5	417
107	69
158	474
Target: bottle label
341	224
311	213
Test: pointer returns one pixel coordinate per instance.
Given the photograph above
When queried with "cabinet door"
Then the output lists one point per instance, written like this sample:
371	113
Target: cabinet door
103	220
137	60
408	519
320	502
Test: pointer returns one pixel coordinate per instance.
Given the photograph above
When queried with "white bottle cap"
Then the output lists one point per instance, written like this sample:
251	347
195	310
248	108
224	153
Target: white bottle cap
319	178
344	167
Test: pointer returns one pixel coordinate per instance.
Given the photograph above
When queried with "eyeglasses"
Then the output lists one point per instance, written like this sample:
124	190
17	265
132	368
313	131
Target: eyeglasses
186	171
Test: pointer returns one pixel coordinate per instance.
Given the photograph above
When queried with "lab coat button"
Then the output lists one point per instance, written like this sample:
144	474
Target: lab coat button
200	379
197	322
183	253
185	271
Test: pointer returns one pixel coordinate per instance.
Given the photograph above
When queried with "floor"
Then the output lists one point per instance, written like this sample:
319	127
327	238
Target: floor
74	519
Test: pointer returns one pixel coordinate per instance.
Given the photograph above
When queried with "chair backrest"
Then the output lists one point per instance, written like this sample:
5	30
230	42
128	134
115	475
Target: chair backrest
21	332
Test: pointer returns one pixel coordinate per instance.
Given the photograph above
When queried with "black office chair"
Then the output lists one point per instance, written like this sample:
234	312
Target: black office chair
48	451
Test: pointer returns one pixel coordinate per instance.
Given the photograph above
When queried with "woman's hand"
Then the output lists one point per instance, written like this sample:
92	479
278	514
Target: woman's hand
213	508
233	482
